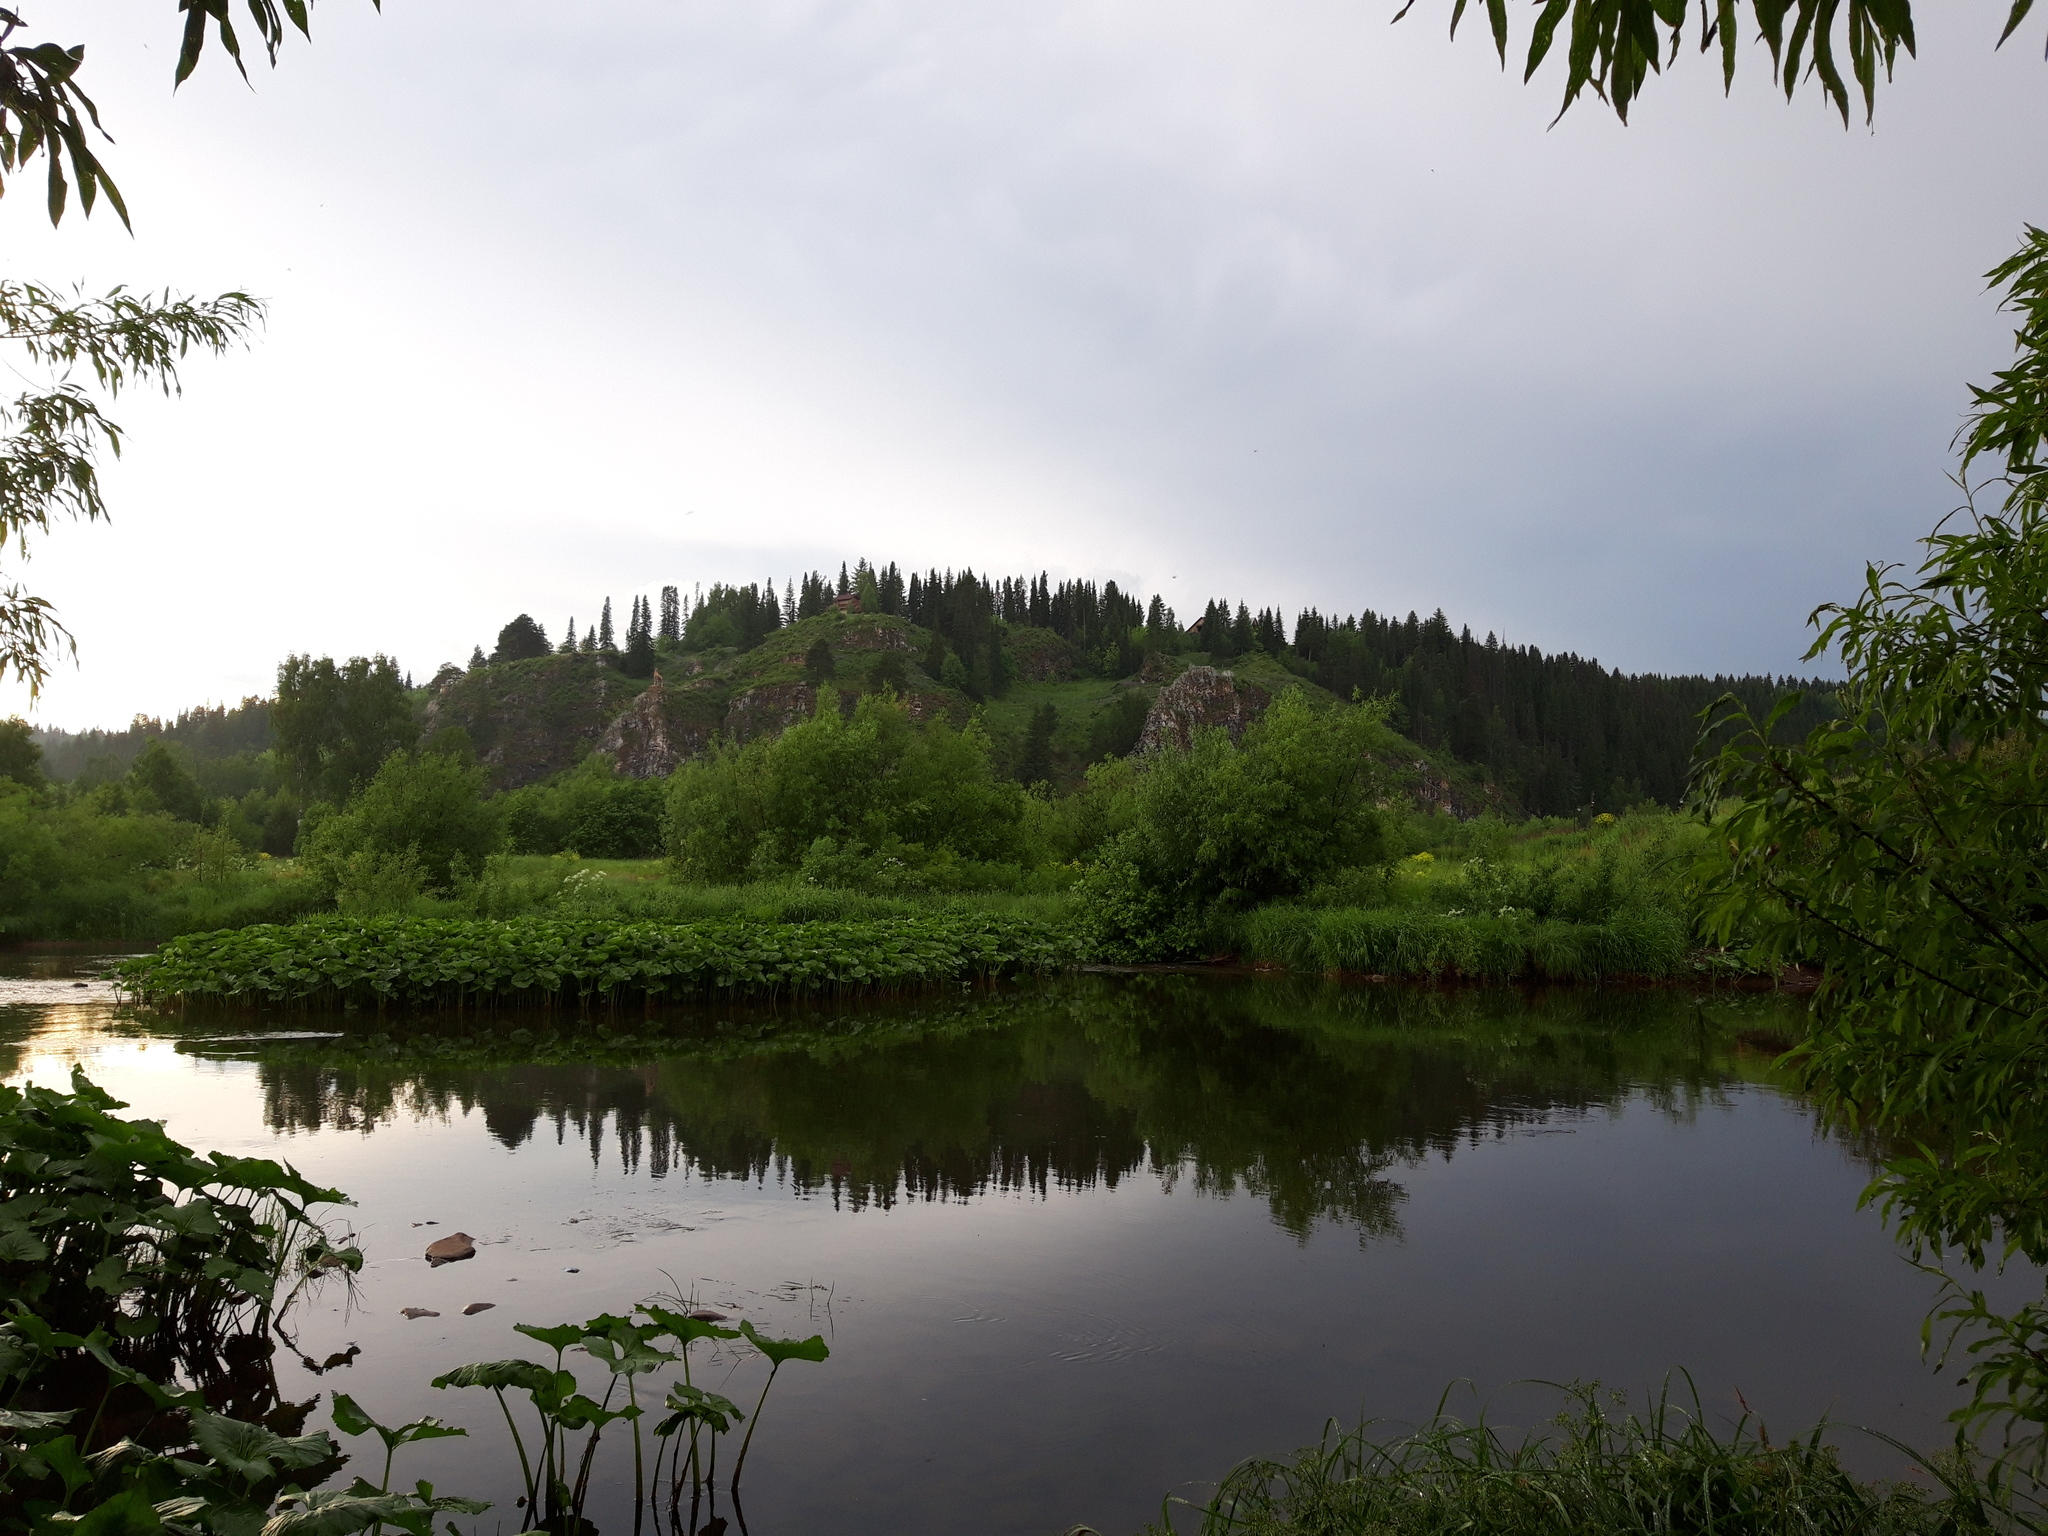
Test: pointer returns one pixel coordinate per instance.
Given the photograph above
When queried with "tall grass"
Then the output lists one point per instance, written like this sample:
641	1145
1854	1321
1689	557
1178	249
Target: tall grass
1415	942
1601	1471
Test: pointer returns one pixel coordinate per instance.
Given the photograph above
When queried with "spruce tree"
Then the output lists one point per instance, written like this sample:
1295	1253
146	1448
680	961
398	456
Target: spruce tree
569	637
639	658
845	586
1034	764
1241	639
605	639
476	659
671	617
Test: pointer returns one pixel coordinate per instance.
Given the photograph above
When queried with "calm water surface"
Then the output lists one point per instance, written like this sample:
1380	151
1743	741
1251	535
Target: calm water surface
1073	1247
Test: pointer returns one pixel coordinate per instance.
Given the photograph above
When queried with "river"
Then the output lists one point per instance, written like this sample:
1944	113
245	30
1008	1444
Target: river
1074	1246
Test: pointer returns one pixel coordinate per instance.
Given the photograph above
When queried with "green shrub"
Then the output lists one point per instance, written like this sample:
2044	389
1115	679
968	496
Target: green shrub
592	810
424	811
1225	825
877	785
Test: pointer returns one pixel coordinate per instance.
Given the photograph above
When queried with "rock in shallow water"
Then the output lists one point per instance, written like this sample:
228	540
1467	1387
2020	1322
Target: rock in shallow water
450	1249
413	1312
477	1306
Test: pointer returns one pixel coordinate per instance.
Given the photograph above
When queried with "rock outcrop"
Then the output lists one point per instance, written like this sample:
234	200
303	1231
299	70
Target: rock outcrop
658	731
769	710
529	719
1201	697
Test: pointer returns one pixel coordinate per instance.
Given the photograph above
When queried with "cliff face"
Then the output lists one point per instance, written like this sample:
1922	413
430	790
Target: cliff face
530	719
662	728
1201	697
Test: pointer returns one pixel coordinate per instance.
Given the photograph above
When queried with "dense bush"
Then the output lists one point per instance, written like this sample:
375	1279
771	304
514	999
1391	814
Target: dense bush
868	793
590	810
71	871
421	823
1225	825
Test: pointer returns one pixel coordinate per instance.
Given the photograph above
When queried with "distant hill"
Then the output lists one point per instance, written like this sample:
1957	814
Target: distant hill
1492	724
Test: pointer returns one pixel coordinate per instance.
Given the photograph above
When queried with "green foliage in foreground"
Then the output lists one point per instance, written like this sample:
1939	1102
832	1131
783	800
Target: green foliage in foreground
139	1286
453	960
1905	846
1661	1472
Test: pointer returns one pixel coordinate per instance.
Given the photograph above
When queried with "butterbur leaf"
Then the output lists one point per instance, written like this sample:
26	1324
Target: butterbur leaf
125	1514
561	1336
244	1449
498	1375
686	1330
780	1350
18	1246
61	1457
420	1429
350	1419
24	1418
335	1513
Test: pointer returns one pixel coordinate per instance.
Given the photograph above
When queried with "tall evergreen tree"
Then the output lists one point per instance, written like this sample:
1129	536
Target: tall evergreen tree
671	616
568	645
844	585
476	658
1034	763
605	639
639	657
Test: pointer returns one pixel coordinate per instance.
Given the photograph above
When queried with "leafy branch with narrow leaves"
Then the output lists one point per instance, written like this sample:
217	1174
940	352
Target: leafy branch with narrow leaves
1613	47
51	436
1904	846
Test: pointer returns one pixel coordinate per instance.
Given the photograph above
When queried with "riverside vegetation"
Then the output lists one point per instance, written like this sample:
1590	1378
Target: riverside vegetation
147	1292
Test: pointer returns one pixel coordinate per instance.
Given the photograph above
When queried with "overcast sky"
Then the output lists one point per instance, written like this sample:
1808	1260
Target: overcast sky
1277	303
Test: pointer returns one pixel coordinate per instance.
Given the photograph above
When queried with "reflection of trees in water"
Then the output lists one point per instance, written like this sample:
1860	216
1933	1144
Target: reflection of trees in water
1302	1095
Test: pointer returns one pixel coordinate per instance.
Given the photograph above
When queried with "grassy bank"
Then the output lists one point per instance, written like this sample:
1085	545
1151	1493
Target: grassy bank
1486	900
1421	944
544	961
1601	1470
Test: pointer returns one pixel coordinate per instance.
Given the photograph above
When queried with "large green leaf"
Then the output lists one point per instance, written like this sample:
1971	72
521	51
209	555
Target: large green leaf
780	1350
245	1449
498	1375
126	1514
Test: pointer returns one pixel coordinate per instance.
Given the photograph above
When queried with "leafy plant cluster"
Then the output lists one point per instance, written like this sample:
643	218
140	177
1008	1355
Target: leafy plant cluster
557	1471
141	1287
141	1293
451	961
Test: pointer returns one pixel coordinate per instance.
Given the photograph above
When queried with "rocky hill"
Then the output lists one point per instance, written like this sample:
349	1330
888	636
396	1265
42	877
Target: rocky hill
528	720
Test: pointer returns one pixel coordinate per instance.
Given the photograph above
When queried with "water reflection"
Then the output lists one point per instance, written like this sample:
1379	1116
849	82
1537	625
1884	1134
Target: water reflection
1304	1095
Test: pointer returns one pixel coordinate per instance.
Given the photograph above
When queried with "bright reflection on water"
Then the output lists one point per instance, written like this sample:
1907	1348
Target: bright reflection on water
1073	1247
